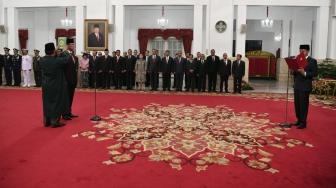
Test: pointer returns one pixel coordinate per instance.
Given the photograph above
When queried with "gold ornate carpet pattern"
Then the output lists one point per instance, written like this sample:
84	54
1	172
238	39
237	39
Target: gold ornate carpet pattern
194	135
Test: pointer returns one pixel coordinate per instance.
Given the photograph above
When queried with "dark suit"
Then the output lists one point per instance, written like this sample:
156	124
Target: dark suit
130	75
153	67
104	67
212	66
71	71
93	41
224	71
166	69
191	71
16	68
7	61
1	67
302	89
119	68
238	72
201	70
147	83
179	69
93	67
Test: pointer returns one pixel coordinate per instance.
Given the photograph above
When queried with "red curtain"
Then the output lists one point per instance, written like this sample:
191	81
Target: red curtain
71	32
185	34
23	38
65	33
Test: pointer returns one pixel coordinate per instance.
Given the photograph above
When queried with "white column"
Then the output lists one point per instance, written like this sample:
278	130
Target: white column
240	36
80	11
110	17
321	33
119	27
41	34
12	27
221	10
197	43
332	39
3	36
285	38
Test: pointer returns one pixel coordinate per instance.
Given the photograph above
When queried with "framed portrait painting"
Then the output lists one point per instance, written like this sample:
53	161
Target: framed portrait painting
96	34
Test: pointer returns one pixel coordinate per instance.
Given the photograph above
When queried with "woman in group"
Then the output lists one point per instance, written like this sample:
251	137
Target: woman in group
84	70
140	72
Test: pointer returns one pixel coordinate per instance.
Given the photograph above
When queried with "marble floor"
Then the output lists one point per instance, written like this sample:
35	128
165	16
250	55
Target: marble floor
270	86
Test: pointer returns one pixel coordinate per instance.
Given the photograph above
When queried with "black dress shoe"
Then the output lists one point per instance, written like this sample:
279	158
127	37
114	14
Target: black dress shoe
73	116
296	123
301	127
67	117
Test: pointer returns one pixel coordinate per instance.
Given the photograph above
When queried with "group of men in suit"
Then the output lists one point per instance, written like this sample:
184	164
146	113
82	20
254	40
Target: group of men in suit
12	65
120	71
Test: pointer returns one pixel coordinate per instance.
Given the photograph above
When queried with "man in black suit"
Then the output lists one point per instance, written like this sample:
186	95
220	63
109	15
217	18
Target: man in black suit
212	66
119	69
303	78
224	71
1	67
105	66
166	69
201	72
96	38
179	69
153	66
16	67
93	63
71	71
147	82
238	72
191	71
7	61
130	61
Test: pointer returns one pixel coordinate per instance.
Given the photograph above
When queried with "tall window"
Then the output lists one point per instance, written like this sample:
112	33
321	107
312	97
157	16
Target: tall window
174	45
158	43
171	44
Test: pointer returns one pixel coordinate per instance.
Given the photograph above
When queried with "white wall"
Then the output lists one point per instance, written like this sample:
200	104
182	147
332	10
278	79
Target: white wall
146	17
41	24
256	32
3	37
302	18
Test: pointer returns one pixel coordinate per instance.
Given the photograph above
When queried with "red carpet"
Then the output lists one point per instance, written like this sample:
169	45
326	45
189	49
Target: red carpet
33	156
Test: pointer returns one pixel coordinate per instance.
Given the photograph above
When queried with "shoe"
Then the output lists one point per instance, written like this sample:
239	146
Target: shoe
296	123
301	127
73	115
66	117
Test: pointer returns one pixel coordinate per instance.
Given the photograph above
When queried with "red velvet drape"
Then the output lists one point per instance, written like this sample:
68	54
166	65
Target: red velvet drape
185	34
23	38
65	33
71	32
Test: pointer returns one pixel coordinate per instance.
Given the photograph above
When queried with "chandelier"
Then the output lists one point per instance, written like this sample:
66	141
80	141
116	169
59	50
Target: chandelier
162	22
267	22
66	22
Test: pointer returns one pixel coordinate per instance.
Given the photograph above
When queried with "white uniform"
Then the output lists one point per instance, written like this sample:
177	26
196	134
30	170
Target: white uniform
27	62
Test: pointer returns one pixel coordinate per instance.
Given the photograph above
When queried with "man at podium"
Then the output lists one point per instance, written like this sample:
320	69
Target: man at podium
303	77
